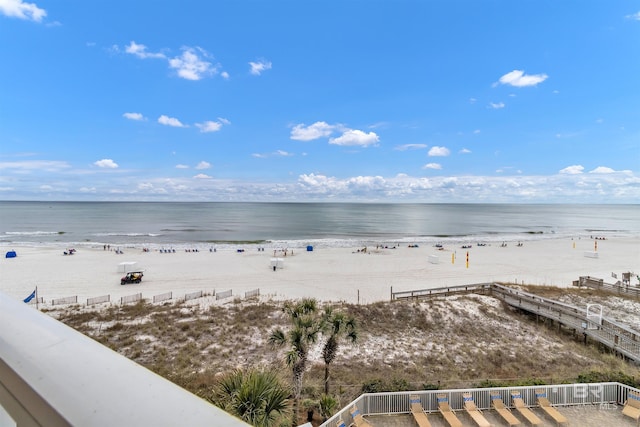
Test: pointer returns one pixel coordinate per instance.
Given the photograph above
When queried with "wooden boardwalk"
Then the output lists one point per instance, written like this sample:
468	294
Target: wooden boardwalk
618	337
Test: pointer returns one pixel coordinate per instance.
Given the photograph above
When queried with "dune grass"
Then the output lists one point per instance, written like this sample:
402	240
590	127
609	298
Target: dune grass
460	341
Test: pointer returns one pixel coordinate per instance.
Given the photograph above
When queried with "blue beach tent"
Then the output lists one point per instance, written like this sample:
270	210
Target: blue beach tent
309	248
10	254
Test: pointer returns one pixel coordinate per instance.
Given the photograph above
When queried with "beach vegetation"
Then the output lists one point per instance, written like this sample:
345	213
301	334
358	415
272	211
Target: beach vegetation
338	326
380	385
459	342
597	376
328	405
304	330
256	396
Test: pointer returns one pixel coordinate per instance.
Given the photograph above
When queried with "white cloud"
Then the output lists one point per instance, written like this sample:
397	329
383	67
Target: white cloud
436	166
203	165
635	16
170	121
379	125
145	186
209	126
258	67
619	187
496	105
190	65
354	137
439	152
518	78
180	166
277	153
602	170
224	75
572	170
140	51
106	163
308	133
212	126
46	165
133	116
406	147
329	186
22	10
464	151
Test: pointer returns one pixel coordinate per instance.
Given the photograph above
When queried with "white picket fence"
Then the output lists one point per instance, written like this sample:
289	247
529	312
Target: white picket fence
129	299
98	300
163	297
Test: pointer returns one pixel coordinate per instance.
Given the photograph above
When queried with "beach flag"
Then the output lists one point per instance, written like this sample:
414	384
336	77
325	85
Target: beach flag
30	297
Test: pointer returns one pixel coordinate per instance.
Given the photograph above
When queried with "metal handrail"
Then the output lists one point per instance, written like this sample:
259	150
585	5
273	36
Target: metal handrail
397	403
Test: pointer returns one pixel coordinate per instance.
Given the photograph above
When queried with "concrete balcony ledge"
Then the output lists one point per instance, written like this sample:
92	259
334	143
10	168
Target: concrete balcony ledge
52	375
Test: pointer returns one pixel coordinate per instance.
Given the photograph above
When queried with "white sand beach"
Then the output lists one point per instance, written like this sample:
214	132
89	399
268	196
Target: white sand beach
328	274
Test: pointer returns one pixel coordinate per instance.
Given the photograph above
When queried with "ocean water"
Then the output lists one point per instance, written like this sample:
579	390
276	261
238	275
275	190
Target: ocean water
206	225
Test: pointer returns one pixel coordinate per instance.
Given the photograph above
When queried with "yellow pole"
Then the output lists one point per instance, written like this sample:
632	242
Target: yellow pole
467	259
595	246
453	258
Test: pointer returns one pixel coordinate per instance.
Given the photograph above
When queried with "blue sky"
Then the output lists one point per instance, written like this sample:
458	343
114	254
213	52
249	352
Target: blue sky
399	101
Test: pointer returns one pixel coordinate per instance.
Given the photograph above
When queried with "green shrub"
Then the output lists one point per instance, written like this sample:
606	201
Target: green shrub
378	385
609	376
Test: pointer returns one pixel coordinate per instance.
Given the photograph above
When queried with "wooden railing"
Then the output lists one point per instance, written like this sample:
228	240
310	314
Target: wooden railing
612	334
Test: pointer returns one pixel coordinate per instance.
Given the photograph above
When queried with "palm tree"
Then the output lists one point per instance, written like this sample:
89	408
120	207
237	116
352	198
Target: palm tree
338	326
305	327
255	396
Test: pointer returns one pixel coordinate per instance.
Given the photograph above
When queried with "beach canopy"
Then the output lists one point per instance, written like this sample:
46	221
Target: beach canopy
10	254
127	266
309	248
277	262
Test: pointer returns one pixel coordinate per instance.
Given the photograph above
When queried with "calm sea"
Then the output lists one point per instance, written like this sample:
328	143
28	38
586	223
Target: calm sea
298	224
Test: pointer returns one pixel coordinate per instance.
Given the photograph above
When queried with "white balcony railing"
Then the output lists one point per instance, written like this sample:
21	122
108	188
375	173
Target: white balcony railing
52	375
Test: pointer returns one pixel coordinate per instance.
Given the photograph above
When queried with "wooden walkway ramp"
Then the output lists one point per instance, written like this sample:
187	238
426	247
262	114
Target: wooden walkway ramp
616	336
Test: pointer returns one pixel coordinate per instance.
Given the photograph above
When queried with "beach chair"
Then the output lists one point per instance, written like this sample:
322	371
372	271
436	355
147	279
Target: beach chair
358	419
472	409
503	411
447	412
418	411
522	408
544	403
631	407
340	423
